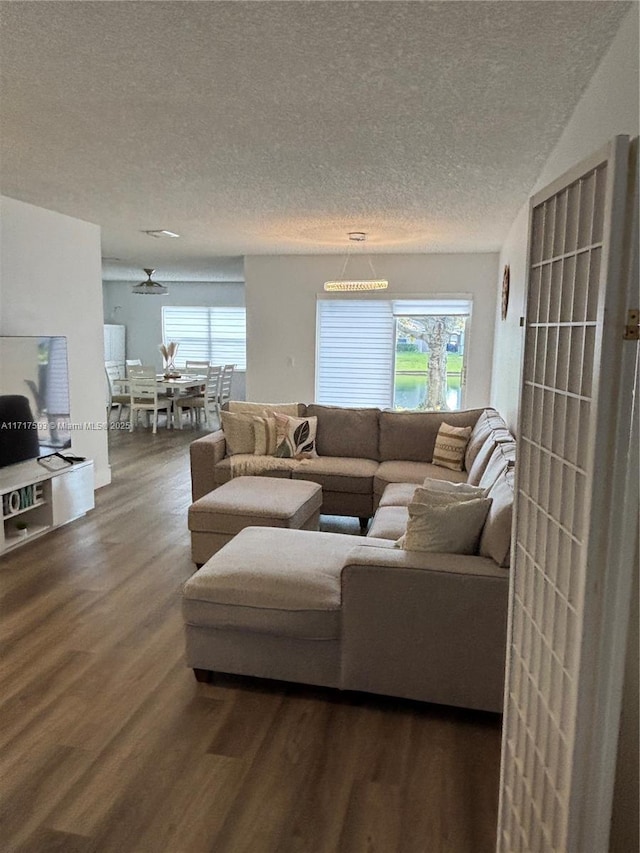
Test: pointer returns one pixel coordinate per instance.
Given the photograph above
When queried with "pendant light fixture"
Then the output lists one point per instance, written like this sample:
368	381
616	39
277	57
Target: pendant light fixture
149	287
348	284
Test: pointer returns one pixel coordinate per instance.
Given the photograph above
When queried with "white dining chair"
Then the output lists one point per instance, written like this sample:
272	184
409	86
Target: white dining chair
226	379
115	399
132	362
201	402
144	396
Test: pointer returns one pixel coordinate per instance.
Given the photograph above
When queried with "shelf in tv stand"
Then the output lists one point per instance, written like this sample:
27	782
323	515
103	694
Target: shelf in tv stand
37	500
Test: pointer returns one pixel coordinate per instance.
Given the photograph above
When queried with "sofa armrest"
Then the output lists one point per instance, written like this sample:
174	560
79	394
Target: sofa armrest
205	454
430	627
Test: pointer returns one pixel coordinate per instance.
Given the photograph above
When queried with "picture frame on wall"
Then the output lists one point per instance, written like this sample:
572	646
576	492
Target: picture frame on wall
506	275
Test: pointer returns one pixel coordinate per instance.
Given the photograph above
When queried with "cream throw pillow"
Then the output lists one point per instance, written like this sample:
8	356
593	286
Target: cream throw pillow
451	443
265	436
296	437
453	488
241	407
444	523
238	433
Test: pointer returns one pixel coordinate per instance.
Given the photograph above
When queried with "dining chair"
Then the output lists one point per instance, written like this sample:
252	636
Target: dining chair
144	396
201	402
226	379
132	362
115	400
193	367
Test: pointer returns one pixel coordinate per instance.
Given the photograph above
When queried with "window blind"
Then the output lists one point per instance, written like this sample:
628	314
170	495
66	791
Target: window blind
355	349
431	307
214	334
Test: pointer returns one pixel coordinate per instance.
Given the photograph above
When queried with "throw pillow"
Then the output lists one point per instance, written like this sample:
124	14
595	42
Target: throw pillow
451	443
242	407
265	435
238	433
422	495
445	524
296	436
446	487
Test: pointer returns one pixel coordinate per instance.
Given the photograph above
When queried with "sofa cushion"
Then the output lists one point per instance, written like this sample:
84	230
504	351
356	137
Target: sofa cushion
488	421
495	541
346	432
336	474
412	472
257	466
284	582
389	522
398	494
481	458
502	459
412	435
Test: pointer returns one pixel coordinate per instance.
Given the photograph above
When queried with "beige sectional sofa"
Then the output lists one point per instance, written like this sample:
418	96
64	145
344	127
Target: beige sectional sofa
353	612
360	451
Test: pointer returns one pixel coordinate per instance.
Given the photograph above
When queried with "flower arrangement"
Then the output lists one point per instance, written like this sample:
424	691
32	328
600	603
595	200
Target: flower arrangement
168	354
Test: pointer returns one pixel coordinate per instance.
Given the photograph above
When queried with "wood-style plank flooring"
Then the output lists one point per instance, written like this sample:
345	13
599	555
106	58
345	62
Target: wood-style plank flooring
109	744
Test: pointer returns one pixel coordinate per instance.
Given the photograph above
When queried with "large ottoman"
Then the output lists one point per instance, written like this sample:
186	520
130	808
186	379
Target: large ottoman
268	604
247	501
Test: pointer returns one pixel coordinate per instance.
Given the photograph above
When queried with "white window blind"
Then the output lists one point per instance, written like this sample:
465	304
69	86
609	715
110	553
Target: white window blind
214	334
354	364
431	307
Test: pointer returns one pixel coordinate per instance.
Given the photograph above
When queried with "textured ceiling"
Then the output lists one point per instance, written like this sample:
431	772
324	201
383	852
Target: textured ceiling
276	127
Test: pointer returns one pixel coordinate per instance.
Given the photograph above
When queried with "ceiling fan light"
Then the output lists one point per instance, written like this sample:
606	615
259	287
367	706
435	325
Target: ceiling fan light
149	287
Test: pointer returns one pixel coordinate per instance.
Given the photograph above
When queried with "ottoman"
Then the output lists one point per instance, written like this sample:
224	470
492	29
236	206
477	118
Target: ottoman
247	501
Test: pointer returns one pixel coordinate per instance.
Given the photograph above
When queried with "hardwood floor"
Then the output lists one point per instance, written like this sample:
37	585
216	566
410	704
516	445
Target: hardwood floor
109	744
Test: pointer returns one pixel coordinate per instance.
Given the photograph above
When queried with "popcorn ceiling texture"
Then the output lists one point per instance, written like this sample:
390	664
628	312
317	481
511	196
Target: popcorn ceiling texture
276	127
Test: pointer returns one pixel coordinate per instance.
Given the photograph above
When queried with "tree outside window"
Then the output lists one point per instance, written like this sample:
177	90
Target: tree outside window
429	363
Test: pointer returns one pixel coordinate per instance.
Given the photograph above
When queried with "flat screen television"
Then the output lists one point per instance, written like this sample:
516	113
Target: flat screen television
34	397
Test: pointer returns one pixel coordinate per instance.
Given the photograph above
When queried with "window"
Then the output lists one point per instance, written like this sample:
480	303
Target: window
217	335
429	353
354	363
405	354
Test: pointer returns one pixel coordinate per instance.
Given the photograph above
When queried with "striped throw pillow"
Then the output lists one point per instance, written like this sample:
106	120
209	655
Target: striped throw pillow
266	436
451	443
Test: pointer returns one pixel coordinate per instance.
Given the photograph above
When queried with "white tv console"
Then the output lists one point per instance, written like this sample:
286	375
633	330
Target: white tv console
34	500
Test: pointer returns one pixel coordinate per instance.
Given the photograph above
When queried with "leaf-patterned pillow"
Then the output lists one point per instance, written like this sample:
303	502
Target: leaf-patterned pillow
296	437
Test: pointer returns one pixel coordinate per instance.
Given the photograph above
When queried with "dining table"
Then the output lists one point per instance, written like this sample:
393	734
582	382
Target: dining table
172	385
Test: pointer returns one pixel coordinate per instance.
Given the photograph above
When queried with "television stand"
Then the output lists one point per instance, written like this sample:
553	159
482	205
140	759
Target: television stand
34	500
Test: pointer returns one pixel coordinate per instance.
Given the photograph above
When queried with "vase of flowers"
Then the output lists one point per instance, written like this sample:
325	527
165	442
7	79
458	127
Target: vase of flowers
168	354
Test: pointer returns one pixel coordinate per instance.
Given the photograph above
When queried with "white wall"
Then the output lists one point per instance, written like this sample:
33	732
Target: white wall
281	294
50	284
609	106
142	315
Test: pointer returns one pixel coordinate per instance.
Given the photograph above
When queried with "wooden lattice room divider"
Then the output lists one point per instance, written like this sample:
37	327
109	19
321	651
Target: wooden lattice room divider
569	569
